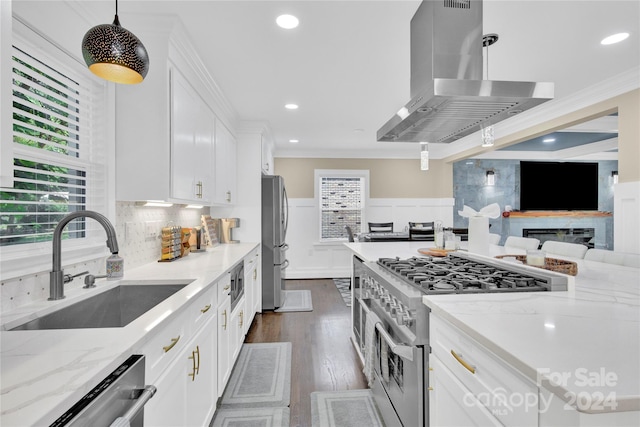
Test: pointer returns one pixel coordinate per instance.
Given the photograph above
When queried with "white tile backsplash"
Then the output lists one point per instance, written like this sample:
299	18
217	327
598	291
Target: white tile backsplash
132	223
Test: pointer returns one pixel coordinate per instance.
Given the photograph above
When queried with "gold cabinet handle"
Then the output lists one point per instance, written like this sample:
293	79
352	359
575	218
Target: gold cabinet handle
255	274
458	357
193	369
241	317
197	364
205	309
224	326
226	288
174	341
430	388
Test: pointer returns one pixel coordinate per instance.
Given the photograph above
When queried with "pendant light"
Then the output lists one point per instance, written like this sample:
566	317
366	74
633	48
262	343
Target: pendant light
487	130
114	53
424	156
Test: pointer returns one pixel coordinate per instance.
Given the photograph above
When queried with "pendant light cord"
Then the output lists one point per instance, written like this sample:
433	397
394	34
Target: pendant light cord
116	20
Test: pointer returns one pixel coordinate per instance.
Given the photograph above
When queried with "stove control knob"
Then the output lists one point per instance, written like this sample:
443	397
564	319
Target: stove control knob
390	305
407	319
399	315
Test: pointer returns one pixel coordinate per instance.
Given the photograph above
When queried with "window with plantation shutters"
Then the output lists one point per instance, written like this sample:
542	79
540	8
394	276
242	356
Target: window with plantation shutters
58	147
341	200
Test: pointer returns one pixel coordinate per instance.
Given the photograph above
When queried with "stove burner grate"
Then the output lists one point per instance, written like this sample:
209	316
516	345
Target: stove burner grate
458	275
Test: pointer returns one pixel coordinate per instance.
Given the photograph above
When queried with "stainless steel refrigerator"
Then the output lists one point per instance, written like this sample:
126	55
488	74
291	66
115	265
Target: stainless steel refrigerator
275	218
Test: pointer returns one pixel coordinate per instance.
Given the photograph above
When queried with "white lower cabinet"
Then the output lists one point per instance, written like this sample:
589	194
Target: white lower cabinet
237	329
224	338
167	407
470	385
186	393
201	378
182	364
451	404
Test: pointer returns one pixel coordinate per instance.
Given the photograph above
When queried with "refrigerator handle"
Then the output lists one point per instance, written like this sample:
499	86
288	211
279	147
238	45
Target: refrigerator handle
286	212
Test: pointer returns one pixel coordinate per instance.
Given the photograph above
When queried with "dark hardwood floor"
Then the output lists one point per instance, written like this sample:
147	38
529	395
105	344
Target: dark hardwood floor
323	357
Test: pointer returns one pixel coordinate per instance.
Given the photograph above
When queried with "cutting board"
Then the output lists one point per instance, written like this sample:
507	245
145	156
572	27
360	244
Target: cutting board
434	252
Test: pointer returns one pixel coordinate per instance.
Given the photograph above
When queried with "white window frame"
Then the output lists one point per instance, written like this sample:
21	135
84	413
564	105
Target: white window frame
25	259
340	173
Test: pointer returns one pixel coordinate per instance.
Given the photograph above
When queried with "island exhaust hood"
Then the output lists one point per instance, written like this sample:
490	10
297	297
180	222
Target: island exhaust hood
449	98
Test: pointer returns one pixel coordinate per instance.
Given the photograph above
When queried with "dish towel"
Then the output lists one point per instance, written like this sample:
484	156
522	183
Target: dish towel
370	346
384	360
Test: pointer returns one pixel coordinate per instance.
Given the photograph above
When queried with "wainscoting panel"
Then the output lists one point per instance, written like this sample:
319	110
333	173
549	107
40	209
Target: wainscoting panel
626	212
309	258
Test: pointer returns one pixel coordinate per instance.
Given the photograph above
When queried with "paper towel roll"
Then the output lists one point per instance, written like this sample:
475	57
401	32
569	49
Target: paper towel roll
479	235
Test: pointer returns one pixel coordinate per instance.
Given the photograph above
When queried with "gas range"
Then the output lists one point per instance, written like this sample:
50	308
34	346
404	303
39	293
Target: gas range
464	273
392	289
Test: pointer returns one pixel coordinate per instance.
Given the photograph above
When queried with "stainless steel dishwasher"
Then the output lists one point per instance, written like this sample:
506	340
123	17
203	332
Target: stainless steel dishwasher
117	401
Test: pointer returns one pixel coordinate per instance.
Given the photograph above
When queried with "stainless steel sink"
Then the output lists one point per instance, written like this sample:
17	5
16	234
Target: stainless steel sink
114	308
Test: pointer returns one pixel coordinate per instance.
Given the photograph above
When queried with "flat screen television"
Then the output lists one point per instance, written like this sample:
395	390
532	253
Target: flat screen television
555	186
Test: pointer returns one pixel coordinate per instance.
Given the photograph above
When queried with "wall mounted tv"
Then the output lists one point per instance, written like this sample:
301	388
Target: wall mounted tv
558	186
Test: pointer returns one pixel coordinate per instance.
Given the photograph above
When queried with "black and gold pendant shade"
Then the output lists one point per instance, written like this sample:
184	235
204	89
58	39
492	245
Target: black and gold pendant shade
115	54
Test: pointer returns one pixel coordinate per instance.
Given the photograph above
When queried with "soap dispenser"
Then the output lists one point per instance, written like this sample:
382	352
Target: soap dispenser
115	267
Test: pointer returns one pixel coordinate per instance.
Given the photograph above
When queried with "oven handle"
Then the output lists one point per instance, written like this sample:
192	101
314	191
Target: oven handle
403	351
142	399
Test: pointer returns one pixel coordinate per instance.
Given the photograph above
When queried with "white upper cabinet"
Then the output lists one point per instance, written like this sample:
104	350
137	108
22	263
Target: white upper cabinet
168	126
192	143
225	166
267	156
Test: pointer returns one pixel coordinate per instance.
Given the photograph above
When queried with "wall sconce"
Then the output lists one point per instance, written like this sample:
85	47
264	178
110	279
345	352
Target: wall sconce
491	178
614	176
424	156
487	136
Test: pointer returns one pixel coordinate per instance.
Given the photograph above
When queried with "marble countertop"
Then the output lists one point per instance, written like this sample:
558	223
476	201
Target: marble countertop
45	372
582	344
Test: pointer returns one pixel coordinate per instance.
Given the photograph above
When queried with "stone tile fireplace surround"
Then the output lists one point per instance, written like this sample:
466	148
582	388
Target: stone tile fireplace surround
470	189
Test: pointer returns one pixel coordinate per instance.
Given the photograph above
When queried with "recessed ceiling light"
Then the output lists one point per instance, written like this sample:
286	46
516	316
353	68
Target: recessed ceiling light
548	140
291	106
294	141
287	22
615	38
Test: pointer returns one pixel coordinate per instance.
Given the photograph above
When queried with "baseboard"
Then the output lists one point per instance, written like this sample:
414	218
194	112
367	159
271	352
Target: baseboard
316	273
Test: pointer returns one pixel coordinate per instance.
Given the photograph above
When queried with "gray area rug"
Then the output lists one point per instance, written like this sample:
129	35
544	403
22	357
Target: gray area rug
261	377
251	417
296	301
349	408
343	286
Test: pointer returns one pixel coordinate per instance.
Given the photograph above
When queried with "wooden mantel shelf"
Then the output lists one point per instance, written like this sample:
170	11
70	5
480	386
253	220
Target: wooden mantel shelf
546	214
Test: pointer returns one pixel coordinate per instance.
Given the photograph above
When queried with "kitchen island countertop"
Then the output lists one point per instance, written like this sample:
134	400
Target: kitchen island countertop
589	336
43	373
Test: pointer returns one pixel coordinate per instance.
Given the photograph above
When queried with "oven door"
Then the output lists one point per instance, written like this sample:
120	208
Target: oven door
400	380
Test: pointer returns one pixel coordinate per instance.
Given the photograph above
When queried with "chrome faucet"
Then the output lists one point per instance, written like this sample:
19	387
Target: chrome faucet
57	278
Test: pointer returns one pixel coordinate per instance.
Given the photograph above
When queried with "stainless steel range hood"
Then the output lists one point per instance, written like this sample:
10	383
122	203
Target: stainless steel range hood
449	99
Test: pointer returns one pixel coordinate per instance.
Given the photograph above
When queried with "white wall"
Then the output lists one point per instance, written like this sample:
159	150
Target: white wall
626	217
310	258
